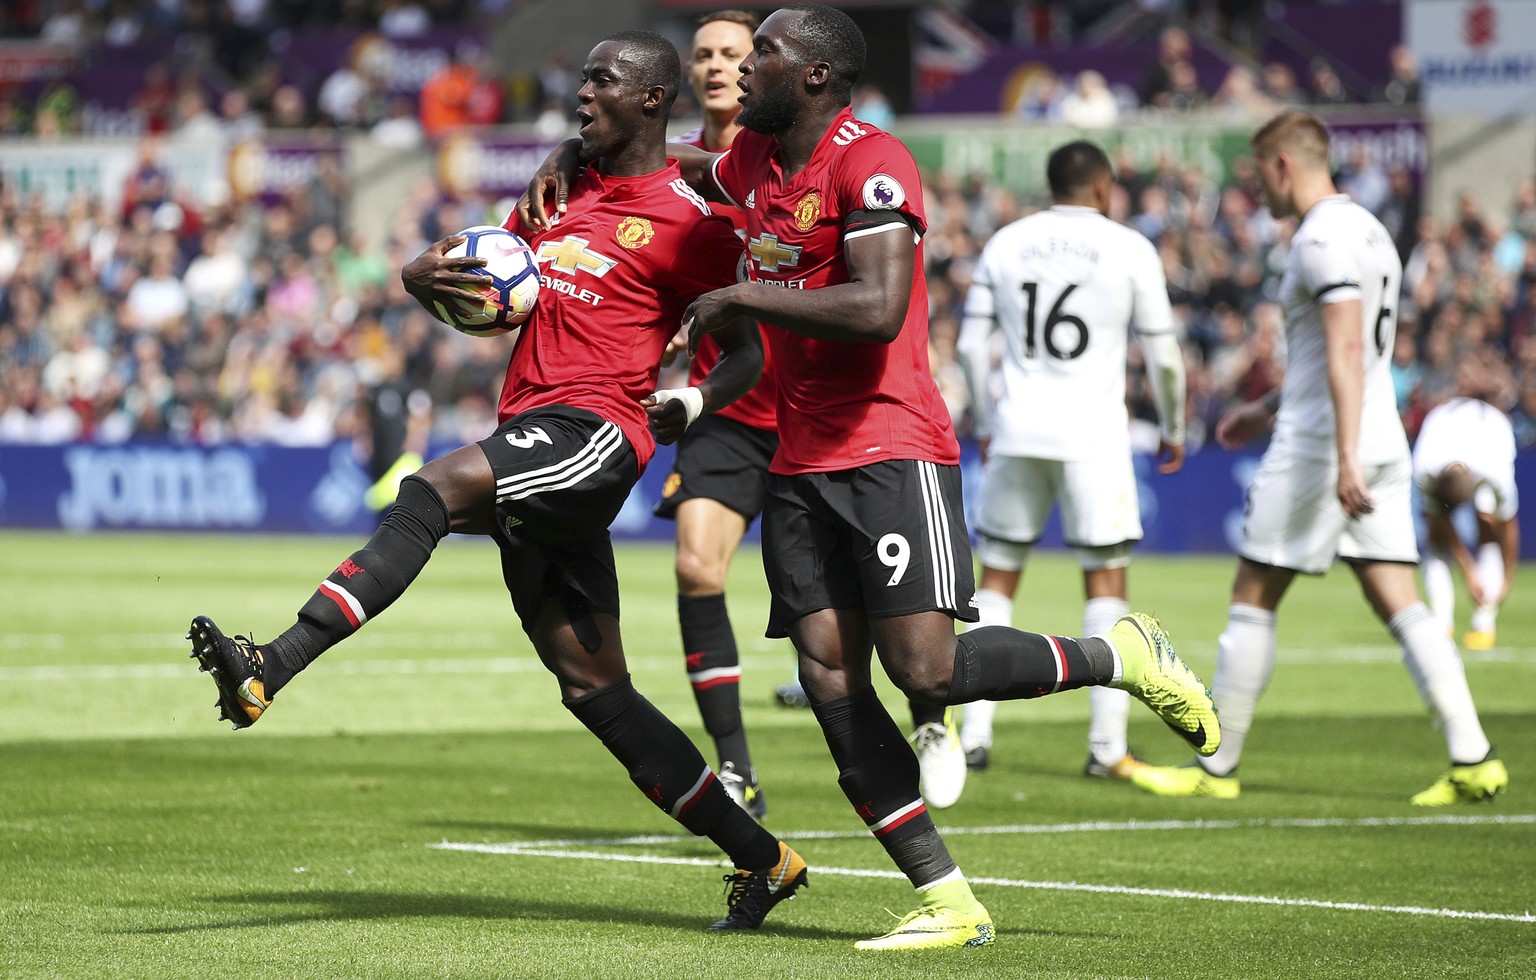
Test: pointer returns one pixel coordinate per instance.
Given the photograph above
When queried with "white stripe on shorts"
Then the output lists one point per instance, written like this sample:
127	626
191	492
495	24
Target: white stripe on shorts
938	536
568	472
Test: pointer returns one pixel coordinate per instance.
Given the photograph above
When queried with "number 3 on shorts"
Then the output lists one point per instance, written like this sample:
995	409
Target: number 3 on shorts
529	435
894	553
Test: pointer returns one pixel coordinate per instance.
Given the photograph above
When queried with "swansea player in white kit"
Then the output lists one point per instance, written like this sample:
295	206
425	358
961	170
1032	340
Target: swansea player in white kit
1335	480
1465	455
1063	286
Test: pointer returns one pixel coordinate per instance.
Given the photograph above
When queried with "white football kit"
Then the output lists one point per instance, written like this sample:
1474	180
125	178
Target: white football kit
1294	519
1063	286
1477	435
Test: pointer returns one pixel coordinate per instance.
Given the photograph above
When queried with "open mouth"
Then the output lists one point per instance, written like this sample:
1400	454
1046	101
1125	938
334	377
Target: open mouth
583	119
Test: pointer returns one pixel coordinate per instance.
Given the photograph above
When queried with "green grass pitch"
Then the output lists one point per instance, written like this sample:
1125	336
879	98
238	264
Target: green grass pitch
140	838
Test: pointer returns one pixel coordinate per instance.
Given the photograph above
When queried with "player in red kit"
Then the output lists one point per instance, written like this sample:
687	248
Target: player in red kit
864	541
719	481
716	486
579	418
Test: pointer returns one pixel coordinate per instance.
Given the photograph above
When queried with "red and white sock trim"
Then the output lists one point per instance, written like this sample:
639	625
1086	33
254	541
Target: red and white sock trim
350	607
884	826
695	794
705	679
1061	661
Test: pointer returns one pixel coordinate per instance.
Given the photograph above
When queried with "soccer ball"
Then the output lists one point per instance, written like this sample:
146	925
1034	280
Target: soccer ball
511	287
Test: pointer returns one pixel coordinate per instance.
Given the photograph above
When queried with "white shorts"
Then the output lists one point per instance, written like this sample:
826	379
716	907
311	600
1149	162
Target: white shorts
1099	508
1294	520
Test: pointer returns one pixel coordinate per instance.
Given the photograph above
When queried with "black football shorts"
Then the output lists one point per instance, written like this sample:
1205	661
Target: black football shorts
888	538
724	460
562	475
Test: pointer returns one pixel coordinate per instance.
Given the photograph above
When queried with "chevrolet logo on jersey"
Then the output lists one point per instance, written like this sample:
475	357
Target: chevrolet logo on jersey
770	255
572	254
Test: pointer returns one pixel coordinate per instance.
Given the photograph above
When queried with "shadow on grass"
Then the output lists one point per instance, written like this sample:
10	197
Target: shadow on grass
332	906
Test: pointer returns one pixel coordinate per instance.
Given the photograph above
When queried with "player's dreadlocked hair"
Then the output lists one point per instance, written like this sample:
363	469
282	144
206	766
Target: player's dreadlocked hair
656	59
1074	166
827	34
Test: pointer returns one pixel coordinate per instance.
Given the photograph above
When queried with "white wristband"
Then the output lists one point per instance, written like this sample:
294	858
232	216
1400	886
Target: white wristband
692	399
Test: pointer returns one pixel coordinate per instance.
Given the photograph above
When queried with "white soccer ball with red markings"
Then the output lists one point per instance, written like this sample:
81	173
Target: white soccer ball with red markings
511	283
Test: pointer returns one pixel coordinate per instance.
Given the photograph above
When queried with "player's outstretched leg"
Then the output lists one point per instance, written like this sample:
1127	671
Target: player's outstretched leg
950	917
1153	673
1476	783
236	666
665	766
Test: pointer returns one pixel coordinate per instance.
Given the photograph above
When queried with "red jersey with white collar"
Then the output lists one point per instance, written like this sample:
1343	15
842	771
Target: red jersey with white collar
756	407
841	404
617	270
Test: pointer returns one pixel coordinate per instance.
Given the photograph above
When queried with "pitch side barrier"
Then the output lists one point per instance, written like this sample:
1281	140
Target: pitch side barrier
84	487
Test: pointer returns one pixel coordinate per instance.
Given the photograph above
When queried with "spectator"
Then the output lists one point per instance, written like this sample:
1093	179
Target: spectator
870	105
124	26
157	298
1184	92
1240	95
403	18
459	94
239	120
399	127
1173	52
1041	97
1365	180
1090	104
1402	86
1280	84
155	101
193	120
1399	214
1327	87
290	110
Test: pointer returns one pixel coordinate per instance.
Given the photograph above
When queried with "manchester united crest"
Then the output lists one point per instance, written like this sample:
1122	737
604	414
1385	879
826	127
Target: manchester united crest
674	480
634	232
807	211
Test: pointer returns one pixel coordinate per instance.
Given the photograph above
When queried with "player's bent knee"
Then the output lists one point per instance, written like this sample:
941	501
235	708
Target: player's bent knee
1101	558
698	575
923	678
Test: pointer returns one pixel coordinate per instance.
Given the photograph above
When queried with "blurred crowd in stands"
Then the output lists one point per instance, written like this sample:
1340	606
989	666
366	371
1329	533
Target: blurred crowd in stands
269	322
274	321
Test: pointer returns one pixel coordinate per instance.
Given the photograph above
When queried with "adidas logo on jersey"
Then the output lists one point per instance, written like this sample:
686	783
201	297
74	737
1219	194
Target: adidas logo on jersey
848	132
751	199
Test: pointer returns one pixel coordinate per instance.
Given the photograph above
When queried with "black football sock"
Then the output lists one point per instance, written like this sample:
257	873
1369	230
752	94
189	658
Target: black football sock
362	586
714	671
671	773
878	773
925	714
1000	663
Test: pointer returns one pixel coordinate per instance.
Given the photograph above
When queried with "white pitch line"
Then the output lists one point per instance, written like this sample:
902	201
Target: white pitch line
174	670
1062	886
1097	826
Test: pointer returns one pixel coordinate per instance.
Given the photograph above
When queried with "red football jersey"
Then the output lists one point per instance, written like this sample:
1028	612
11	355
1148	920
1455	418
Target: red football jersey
841	404
756	407
617	271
